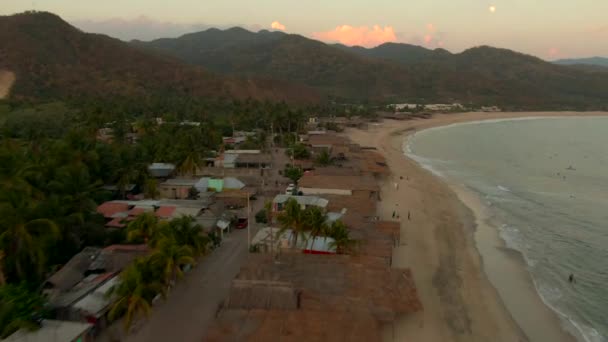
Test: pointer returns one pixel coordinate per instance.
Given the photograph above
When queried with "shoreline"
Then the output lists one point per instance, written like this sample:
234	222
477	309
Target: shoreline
455	256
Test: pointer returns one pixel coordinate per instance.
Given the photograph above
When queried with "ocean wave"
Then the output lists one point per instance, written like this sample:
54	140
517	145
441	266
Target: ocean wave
548	295
503	188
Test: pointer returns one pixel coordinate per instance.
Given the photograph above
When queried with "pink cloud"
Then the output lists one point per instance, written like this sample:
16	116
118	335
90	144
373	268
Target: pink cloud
277	26
363	35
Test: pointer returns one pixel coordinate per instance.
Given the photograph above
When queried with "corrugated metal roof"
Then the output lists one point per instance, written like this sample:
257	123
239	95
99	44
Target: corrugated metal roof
303	200
51	331
97	301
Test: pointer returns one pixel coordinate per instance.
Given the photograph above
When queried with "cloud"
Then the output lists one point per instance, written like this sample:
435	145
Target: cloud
553	52
363	35
277	26
142	28
431	37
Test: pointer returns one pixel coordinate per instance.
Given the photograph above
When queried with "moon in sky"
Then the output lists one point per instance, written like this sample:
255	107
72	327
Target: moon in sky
492	9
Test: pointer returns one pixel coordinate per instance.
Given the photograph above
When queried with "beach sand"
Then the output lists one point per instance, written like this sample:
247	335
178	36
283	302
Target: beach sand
442	242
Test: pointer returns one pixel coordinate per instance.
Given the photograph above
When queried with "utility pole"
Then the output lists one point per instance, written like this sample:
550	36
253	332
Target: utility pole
248	223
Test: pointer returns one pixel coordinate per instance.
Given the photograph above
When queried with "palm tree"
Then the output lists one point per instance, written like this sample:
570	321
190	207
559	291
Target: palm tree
292	217
144	226
23	237
315	219
342	241
189	233
133	296
170	257
191	163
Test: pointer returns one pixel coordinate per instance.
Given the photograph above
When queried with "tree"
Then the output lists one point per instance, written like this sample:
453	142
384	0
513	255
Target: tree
342	241
143	227
314	219
261	216
323	159
190	164
188	233
292	217
170	257
293	173
19	307
24	238
134	293
151	188
298	151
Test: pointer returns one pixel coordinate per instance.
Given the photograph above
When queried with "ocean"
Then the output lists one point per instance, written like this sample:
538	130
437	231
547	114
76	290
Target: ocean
545	183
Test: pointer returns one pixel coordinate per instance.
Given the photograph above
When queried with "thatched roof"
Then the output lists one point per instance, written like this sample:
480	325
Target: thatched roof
262	294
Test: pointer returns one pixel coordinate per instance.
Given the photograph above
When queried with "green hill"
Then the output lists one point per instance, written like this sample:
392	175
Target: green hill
391	72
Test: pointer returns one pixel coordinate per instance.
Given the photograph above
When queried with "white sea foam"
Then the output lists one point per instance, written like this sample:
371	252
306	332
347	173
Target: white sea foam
503	188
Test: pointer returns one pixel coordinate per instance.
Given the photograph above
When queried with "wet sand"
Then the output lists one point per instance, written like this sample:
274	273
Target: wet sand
442	243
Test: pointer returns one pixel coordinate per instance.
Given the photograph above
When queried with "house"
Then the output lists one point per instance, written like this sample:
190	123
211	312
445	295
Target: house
267	238
177	188
206	184
94	306
54	331
253	161
161	170
325	142
278	203
84	273
315	184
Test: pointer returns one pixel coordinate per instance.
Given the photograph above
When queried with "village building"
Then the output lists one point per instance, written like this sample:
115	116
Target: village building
278	203
85	273
360	186
161	170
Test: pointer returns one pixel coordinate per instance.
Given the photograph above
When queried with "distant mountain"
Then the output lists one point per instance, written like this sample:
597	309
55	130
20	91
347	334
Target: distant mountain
598	61
391	72
396	52
51	59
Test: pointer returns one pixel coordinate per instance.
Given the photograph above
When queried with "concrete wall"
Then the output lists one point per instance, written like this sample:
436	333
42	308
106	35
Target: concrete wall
167	191
317	191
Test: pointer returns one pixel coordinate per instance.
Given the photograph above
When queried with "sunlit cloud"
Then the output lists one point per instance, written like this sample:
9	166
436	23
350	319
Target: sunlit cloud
362	36
277	26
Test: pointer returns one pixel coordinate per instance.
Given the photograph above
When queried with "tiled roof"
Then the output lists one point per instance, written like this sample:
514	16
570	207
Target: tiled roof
165	211
108	209
116	223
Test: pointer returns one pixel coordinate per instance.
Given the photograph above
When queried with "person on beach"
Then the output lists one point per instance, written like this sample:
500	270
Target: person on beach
571	279
394	214
408	215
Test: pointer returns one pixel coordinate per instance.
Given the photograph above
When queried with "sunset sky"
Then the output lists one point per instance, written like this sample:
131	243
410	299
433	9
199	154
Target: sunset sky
550	29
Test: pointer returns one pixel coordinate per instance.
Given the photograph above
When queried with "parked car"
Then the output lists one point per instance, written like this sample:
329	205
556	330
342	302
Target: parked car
242	223
290	188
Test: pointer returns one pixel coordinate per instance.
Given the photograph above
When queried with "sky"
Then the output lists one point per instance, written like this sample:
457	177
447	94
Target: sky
550	29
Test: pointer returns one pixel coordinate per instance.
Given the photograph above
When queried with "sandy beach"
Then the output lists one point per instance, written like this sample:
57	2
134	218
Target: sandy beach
442	242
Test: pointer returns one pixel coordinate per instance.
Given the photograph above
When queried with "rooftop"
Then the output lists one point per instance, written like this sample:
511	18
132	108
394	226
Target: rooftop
342	182
180	182
51	331
302	200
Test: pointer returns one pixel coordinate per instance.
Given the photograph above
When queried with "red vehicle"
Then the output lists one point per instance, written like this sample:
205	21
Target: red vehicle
241	223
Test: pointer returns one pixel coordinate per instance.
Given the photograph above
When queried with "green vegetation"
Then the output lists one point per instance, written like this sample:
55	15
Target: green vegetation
175	244
293	173
324	158
312	222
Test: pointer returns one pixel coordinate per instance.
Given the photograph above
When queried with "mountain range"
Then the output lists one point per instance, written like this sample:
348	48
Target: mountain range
53	59
598	61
